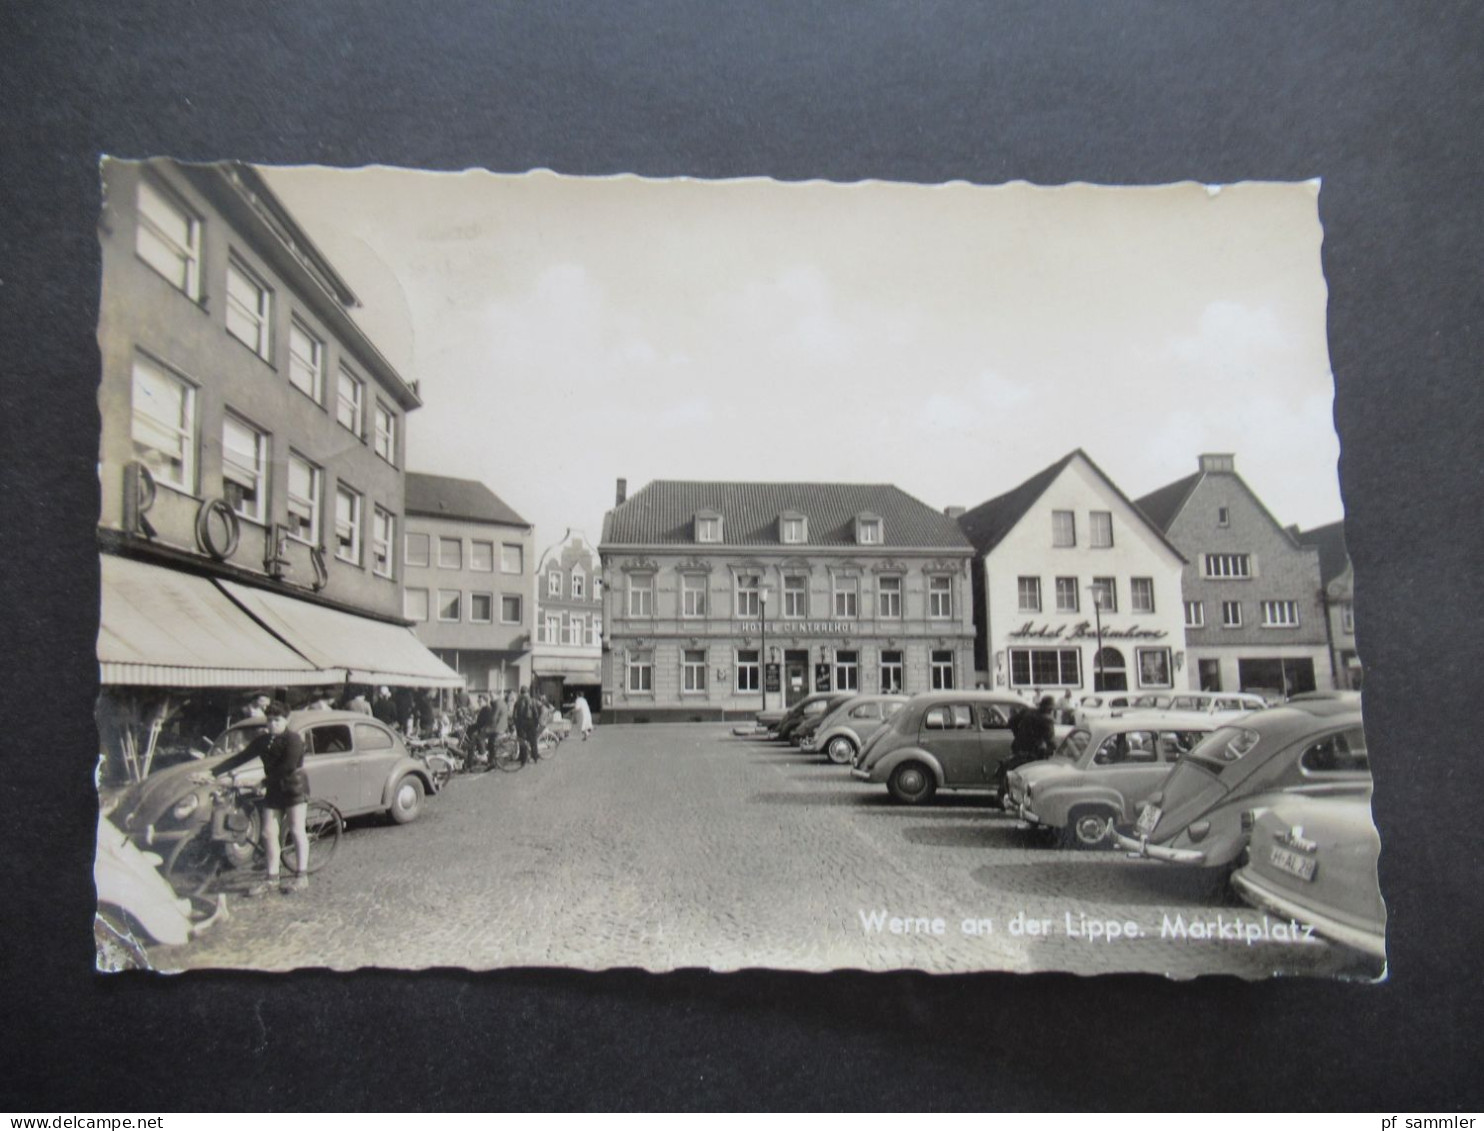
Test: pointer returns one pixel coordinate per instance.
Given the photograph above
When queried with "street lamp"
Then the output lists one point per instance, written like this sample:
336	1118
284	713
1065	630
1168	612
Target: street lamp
1097	614
762	653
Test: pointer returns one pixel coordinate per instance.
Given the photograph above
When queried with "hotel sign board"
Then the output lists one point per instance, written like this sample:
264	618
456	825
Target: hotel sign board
802	627
1083	631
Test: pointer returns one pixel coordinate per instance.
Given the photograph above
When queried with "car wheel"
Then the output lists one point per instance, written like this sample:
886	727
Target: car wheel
912	783
407	800
1088	829
840	750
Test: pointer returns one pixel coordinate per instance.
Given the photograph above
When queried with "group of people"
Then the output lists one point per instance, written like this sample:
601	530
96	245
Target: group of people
286	786
526	715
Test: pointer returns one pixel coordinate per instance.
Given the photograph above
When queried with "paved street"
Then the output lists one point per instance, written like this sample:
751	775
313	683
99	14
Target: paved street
674	846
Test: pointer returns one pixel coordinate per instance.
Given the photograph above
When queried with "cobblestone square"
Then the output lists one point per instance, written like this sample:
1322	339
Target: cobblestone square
680	846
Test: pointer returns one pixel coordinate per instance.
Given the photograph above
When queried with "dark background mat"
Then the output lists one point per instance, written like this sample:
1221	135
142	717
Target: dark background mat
1384	102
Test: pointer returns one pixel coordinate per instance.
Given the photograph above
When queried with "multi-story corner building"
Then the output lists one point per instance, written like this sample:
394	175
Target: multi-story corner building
1254	612
719	596
567	658
252	448
1338	576
1073	587
468	585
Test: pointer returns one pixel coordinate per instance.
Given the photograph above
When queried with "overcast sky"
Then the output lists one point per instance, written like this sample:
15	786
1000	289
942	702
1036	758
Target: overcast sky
950	339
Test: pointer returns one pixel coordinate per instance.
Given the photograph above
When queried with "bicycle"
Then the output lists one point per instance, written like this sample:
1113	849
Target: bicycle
436	754
506	754
230	841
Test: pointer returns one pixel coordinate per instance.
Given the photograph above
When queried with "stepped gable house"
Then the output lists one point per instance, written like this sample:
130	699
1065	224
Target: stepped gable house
569	622
468	580
720	595
1254	613
1064	562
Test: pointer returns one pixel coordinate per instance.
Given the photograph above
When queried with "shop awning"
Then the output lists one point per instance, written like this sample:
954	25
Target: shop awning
574	667
345	646
163	628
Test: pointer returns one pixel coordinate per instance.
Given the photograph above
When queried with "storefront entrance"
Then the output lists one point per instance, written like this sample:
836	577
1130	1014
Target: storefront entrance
1284	676
795	676
1109	672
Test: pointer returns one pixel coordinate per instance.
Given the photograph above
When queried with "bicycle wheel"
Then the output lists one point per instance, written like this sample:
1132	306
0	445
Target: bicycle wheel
547	742
440	763
323	824
194	865
507	754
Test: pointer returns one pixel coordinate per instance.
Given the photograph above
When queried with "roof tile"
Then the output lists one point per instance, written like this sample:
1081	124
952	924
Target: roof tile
439	496
661	514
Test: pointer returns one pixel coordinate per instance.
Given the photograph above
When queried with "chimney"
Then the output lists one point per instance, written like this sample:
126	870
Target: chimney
623	492
1218	461
953	512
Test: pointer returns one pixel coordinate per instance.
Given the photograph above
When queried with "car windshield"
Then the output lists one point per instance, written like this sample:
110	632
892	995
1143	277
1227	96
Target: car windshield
1224	747
233	740
1072	746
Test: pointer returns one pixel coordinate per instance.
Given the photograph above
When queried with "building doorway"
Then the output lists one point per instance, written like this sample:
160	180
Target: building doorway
795	676
1109	671
1210	675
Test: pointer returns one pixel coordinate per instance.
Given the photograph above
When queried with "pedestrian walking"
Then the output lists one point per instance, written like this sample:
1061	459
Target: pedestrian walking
358	704
527	716
501	717
582	716
286	797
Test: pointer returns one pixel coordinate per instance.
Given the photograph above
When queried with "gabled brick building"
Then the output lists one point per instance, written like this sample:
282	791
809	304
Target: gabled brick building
1339	600
1254	611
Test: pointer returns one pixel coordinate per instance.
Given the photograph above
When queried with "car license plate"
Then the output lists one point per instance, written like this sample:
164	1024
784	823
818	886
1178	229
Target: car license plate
1149	817
1286	860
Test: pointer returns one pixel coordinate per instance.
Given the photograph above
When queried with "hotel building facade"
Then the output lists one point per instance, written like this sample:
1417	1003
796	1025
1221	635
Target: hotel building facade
1073	588
719	597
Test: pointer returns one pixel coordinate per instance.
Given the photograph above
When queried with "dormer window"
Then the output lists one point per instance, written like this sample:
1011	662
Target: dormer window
868	530
708	526
793	529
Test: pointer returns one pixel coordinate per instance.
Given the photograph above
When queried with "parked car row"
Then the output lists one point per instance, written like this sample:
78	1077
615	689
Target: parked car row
1276	800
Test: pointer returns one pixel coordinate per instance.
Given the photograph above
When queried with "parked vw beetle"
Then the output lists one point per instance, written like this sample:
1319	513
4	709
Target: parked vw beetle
1313	859
352	761
942	740
811	722
842	732
1099	775
810	707
1195	816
